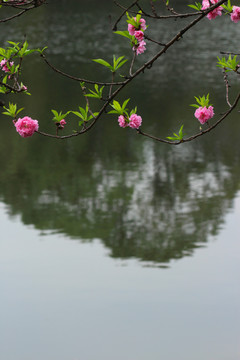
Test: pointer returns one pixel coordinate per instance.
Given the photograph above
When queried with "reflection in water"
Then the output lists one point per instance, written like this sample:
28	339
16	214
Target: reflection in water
156	207
141	199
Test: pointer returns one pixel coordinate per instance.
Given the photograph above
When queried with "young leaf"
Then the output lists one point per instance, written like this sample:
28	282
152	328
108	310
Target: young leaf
125	34
104	63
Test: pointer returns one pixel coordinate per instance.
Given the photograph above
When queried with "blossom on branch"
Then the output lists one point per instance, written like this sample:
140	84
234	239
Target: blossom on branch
122	121
216	12
142	26
24	87
135	121
5	65
140	47
203	114
62	122
136	28
26	126
235	15
139	35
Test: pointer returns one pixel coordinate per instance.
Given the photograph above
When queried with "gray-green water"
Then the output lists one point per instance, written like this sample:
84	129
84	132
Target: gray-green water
112	246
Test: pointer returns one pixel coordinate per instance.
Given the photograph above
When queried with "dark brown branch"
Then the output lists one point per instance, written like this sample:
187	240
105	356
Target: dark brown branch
14	16
228	53
154	41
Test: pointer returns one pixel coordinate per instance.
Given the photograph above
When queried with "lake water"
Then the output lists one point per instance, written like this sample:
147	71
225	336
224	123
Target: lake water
113	246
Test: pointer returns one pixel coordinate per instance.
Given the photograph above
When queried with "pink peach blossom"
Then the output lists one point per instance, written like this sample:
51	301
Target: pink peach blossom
26	126
140	47
131	29
216	12
139	35
142	24
5	65
235	15
122	121
203	114
62	122
135	121
24	88
211	112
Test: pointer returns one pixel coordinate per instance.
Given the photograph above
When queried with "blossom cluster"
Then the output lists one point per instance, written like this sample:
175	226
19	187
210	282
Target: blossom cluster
133	122
203	114
138	33
235	13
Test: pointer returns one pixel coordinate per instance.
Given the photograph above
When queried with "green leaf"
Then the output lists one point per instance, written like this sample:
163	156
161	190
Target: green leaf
177	137
125	103
197	6
59	116
230	64
201	101
113	112
78	114
121	64
104	63
54	112
2	52
125	34
171	138
18	111
97	94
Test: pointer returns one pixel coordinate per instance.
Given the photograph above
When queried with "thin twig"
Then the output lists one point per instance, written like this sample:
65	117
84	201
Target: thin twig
153	8
114	28
132	63
79	79
227	87
14	16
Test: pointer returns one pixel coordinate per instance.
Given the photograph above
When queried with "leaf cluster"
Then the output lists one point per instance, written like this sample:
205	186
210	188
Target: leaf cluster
119	109
83	114
178	136
117	63
59	116
18	50
197	6
132	21
201	101
97	93
12	110
227	7
230	64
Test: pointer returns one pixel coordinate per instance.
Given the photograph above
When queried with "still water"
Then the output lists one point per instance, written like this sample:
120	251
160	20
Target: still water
112	246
